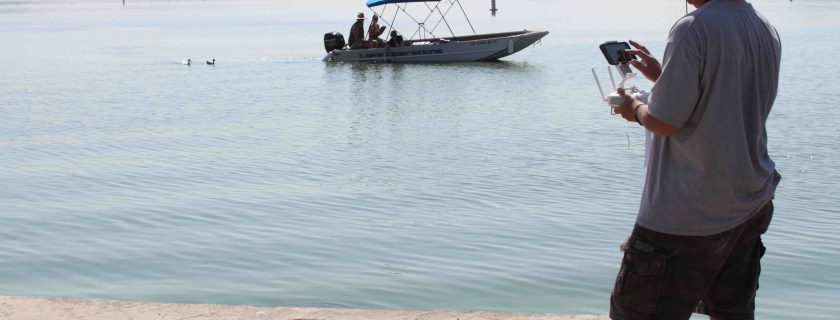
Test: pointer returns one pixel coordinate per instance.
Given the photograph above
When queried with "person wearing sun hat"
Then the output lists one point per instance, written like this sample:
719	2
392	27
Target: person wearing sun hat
357	33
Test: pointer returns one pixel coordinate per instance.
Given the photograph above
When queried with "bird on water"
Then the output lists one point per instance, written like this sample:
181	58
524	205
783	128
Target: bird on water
211	62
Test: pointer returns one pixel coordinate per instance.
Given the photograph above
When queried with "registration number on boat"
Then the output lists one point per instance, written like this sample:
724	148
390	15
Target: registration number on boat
400	54
481	43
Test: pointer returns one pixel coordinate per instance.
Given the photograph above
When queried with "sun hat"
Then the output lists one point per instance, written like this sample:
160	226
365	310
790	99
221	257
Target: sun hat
360	16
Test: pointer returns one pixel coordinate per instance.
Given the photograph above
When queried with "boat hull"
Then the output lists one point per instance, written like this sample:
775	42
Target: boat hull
456	49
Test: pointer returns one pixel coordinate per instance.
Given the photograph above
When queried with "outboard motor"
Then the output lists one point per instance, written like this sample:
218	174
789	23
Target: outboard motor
333	41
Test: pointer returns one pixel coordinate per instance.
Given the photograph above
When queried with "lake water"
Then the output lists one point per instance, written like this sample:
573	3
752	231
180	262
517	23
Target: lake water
275	179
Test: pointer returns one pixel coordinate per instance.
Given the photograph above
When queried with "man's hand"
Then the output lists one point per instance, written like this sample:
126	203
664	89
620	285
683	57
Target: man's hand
627	106
649	66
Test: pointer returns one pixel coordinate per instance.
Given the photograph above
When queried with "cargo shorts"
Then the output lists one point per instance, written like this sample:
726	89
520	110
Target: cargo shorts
668	277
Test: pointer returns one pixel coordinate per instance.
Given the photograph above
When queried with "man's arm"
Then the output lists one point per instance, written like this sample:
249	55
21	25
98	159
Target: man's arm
655	125
652	124
635	110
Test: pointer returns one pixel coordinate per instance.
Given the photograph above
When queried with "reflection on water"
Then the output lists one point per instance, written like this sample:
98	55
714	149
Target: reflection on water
399	68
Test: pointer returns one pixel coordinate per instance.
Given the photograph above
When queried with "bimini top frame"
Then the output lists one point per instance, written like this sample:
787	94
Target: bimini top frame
421	25
376	3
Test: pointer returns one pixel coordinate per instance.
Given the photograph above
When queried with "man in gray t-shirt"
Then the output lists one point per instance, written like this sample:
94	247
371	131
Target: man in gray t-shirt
710	180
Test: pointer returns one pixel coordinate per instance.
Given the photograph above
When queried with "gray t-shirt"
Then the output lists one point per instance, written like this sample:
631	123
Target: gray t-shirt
719	81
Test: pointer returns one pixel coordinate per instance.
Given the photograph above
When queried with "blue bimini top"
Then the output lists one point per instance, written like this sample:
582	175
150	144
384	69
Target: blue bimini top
374	3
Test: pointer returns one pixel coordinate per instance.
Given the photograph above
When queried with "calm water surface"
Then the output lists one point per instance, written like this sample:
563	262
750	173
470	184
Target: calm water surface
275	179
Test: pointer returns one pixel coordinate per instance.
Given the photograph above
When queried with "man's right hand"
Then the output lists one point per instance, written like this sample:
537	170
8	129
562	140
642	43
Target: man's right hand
649	66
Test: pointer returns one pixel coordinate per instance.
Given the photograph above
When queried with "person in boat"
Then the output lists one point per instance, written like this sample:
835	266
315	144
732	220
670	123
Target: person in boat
396	39
357	33
374	31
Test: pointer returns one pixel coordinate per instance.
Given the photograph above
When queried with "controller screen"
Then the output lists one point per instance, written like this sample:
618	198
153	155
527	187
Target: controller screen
616	54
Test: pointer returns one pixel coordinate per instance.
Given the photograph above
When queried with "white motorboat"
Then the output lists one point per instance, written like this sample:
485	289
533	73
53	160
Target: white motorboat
477	47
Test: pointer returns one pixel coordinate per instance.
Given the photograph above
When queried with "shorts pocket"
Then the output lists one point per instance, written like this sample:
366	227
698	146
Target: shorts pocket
640	279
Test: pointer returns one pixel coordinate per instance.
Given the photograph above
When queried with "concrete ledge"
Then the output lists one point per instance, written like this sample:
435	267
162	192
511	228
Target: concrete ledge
22	308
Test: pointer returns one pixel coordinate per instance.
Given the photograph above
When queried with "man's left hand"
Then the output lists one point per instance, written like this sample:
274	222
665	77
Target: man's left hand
627	106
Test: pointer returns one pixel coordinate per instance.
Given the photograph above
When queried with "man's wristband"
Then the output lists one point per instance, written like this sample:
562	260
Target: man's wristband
636	114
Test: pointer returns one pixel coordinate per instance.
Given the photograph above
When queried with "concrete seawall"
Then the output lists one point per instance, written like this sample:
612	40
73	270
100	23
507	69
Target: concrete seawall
23	308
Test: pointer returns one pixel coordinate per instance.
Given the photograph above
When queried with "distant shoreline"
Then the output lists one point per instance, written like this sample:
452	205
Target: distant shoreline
26	308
